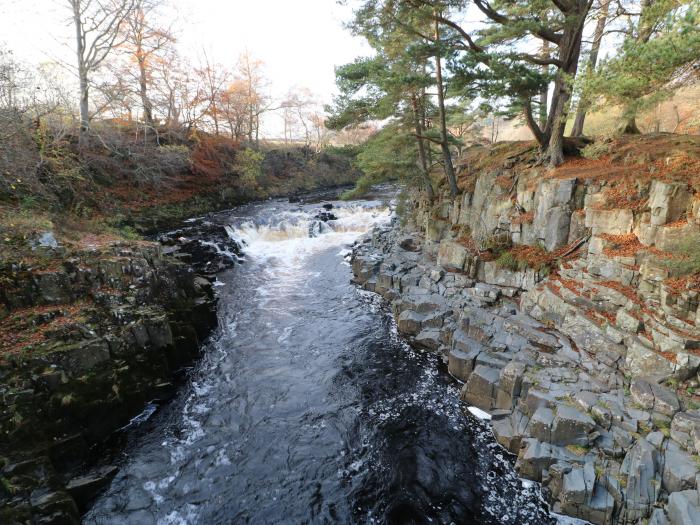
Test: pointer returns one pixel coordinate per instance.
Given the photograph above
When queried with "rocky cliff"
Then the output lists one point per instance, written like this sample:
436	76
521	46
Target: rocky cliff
566	303
89	337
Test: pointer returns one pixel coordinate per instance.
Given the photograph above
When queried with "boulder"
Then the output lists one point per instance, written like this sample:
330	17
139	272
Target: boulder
452	256
510	383
541	424
668	201
571	427
409	244
679	471
480	388
460	364
613	222
428	339
643	480
82	357
644	361
536	457
627	322
683	508
409	322
556	230
685	430
652	396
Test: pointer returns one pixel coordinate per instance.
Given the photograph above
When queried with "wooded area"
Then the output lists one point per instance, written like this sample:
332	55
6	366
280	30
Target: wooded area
129	70
436	78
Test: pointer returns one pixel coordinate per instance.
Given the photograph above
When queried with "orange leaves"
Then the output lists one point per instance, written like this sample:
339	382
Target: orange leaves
622	245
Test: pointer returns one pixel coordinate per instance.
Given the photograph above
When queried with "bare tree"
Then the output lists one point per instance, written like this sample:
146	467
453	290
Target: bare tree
214	78
250	72
145	41
97	33
234	109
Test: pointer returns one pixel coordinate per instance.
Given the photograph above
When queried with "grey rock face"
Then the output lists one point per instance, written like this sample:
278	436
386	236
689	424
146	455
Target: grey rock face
409	322
679	471
460	364
652	396
541	424
480	388
556	380
683	508
643	484
571	427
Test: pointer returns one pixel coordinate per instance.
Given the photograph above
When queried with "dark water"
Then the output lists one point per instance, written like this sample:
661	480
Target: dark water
307	408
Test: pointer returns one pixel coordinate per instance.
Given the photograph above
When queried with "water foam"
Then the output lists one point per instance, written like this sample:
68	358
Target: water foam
291	236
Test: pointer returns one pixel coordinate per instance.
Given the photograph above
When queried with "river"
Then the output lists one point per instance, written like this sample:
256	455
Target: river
307	407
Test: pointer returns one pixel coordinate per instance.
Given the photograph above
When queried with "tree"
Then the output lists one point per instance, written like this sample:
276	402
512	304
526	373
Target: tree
250	71
145	40
98	26
213	79
584	100
444	141
297	111
378	88
318	125
494	60
659	53
390	154
234	108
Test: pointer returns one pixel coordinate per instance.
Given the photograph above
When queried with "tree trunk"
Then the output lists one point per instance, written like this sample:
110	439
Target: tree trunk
630	127
645	32
215	114
84	110
444	144
143	89
545	90
425	174
569	52
82	73
584	103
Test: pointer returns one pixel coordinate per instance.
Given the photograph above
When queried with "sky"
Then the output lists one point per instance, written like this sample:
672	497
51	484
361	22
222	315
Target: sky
300	41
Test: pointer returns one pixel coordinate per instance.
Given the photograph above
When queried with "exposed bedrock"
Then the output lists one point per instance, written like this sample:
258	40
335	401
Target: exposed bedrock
587	364
89	340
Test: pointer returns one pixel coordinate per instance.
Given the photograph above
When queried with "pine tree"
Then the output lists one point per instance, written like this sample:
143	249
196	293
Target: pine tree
660	52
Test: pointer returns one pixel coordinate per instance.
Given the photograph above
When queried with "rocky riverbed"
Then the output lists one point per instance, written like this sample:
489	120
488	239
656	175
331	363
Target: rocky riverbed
606	447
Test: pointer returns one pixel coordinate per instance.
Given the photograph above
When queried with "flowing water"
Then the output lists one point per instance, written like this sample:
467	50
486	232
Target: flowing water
308	408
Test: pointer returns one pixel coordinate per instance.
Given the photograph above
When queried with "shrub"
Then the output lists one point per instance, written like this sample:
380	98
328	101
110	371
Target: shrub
508	261
596	149
249	166
497	243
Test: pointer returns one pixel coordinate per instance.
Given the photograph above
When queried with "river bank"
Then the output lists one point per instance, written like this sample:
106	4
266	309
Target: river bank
583	357
95	330
88	340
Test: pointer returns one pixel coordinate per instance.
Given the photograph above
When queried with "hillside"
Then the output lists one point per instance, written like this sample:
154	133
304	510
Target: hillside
125	184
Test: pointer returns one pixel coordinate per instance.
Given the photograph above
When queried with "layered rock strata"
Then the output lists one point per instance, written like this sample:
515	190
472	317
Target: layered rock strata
90	338
587	366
